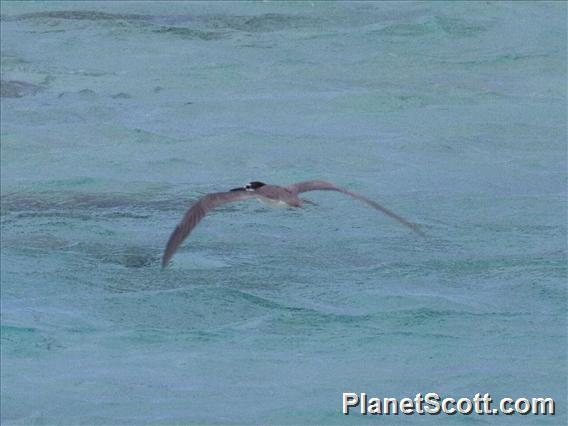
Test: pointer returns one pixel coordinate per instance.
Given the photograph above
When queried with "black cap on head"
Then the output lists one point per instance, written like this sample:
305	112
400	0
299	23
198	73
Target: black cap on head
255	184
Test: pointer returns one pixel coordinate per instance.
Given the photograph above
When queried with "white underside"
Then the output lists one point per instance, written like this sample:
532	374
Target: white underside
273	203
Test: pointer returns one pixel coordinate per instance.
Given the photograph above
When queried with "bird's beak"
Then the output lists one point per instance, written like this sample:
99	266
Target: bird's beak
238	189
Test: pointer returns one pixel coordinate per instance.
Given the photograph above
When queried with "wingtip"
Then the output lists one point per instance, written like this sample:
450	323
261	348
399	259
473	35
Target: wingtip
419	231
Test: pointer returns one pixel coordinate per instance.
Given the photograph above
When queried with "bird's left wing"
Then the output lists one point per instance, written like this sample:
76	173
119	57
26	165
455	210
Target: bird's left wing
320	185
198	212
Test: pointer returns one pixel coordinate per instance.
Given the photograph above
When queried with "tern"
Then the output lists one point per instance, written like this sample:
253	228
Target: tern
272	195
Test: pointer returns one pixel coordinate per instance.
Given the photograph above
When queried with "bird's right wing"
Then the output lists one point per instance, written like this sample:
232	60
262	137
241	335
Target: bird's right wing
197	212
320	185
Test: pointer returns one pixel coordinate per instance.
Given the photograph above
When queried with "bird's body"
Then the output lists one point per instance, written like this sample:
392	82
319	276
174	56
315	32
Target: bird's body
271	195
276	204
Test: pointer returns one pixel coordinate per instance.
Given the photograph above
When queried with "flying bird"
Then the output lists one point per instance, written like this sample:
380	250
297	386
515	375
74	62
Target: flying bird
272	195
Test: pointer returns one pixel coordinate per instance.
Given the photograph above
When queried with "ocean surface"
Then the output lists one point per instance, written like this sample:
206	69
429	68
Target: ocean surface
117	116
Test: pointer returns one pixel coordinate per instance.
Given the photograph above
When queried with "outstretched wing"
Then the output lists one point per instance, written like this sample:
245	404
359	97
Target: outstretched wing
320	185
194	216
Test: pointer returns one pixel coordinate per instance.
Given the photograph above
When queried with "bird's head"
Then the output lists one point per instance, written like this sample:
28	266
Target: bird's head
254	185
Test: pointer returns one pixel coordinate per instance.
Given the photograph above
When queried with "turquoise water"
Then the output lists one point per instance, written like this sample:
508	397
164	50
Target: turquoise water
117	116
